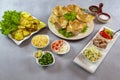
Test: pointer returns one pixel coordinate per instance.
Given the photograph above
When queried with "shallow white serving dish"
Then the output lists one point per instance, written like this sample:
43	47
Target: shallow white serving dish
79	36
43	46
42	55
19	42
102	20
61	53
81	61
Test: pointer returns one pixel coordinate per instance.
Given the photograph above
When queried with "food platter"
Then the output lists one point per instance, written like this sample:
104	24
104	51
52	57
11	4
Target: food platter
91	67
19	26
19	42
70	22
77	37
67	22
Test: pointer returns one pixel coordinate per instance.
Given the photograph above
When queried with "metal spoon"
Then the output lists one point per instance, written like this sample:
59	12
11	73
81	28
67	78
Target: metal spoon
115	32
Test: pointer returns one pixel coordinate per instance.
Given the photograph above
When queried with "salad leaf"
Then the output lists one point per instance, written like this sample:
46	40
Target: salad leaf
70	16
84	29
10	21
65	33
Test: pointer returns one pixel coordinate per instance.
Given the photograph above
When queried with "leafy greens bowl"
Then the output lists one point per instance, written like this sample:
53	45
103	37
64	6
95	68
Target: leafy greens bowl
44	58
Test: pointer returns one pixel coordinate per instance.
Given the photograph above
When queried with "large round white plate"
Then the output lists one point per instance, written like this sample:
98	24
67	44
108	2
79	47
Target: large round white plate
79	36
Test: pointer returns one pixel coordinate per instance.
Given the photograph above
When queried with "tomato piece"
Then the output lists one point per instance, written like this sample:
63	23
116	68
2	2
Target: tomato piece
57	45
59	41
109	36
55	49
53	45
105	35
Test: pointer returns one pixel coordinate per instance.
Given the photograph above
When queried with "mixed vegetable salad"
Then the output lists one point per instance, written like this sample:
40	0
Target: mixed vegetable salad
92	54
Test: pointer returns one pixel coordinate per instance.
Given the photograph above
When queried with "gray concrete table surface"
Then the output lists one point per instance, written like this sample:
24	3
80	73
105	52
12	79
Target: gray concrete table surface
17	62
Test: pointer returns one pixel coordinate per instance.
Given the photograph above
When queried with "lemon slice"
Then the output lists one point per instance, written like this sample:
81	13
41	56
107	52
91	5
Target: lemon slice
38	54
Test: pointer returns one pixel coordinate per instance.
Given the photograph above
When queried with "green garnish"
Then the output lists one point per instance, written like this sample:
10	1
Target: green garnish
65	33
51	22
10	21
108	31
46	59
70	16
84	29
83	9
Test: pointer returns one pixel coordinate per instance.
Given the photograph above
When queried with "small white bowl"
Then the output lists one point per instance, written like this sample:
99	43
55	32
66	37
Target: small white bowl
44	52
93	9
103	17
61	53
42	46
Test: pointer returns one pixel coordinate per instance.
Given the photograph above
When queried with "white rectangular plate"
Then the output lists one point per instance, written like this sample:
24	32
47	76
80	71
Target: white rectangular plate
19	42
91	67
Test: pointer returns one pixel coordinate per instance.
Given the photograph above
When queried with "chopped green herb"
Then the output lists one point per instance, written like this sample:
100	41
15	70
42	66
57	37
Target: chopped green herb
10	21
46	59
83	9
84	29
62	31
65	33
51	22
68	34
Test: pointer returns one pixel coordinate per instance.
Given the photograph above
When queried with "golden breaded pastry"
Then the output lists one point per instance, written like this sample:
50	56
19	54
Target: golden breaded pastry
72	18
